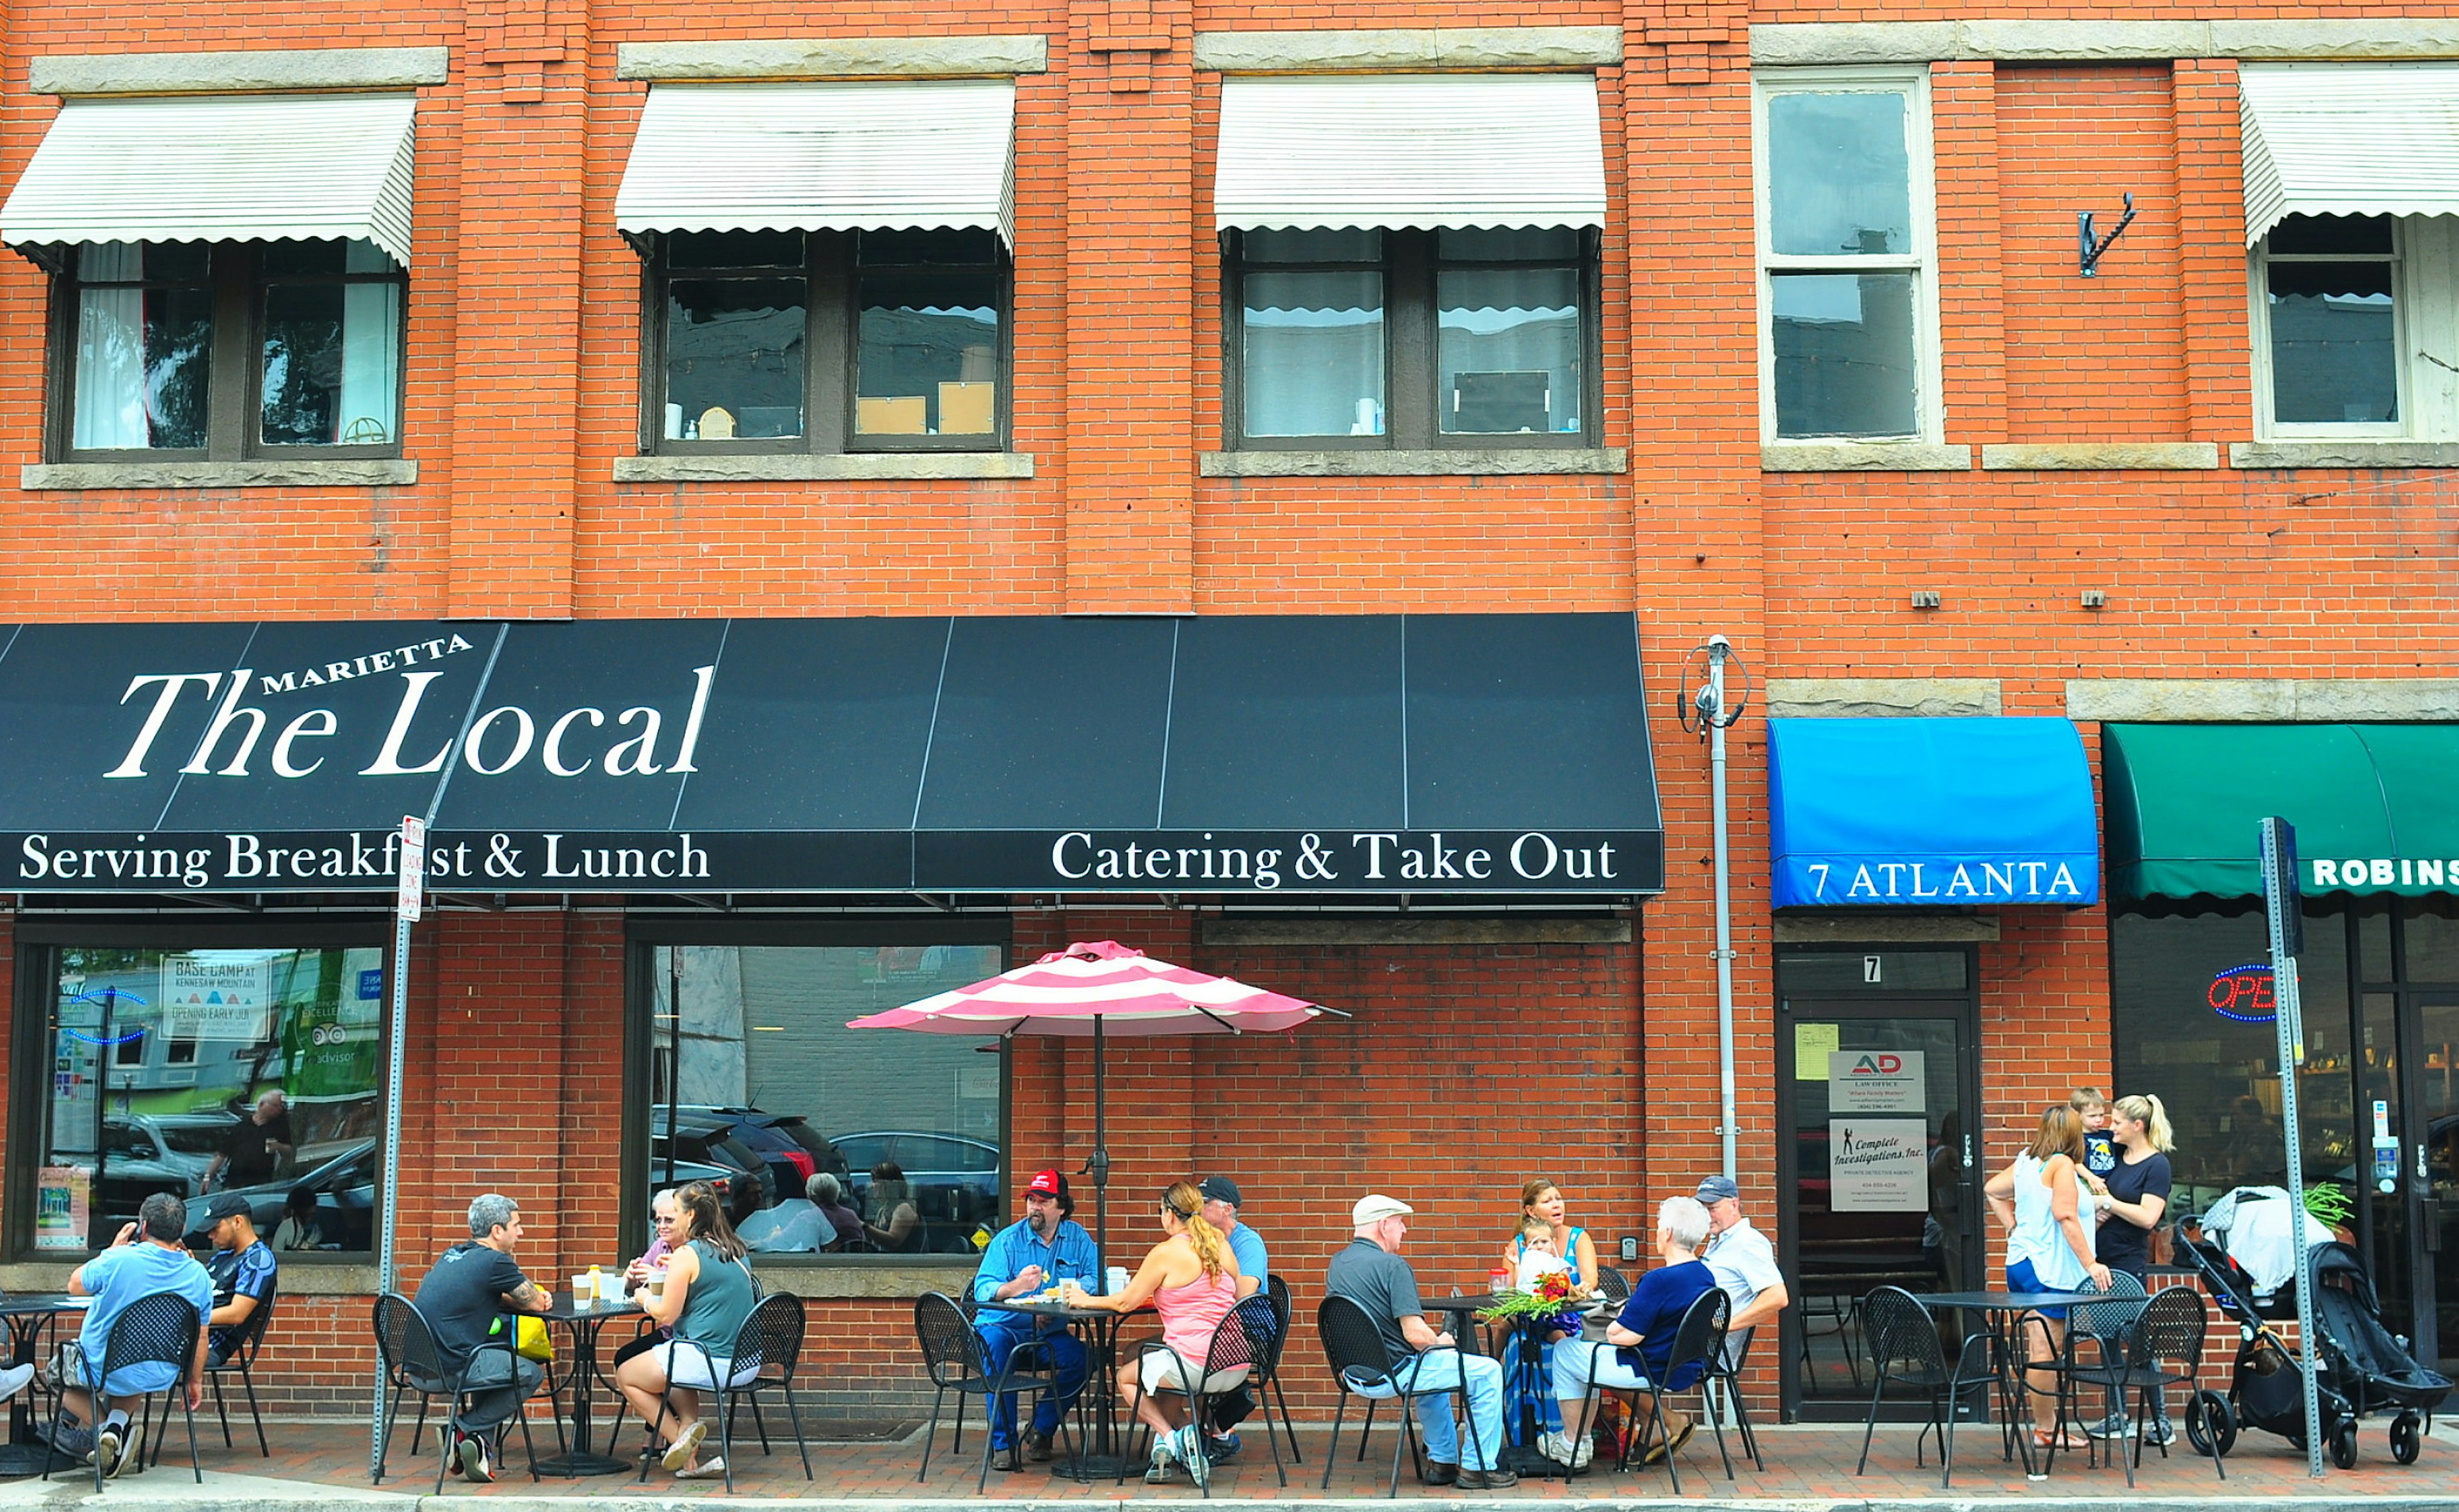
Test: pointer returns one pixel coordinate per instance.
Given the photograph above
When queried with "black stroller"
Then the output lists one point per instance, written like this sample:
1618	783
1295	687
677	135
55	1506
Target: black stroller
2363	1368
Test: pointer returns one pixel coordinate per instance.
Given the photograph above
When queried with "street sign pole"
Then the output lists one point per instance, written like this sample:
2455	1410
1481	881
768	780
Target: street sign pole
408	903
2283	909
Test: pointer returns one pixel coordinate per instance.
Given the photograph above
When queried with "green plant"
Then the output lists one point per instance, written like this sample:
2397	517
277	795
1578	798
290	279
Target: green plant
2330	1204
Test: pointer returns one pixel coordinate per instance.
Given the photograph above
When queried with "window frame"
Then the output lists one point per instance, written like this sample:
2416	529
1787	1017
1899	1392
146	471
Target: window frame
645	935
2403	319
1920	260
832	273
235	412
39	944
1411	338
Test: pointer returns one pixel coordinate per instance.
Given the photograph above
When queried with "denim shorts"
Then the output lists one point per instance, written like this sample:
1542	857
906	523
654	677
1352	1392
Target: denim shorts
2021	1277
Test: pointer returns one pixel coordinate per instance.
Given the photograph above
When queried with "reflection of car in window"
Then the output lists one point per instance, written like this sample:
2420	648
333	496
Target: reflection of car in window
711	1142
955	1179
791	1150
345	1198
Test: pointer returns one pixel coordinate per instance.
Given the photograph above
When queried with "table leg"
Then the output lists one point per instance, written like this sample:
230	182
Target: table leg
579	1460
1097	1451
25	1453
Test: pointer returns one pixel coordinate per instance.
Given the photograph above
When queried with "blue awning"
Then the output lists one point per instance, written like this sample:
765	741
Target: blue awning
1935	813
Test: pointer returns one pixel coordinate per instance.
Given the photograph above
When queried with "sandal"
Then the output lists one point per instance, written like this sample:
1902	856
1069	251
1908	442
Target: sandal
2062	1439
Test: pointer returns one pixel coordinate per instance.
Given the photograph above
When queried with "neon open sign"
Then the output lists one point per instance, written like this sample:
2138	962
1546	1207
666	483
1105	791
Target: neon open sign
2244	993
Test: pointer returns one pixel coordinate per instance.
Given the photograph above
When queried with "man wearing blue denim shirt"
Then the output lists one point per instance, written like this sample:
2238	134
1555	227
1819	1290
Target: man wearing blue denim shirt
1026	1257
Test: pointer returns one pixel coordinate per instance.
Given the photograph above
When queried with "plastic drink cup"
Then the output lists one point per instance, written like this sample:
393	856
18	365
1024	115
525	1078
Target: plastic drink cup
1500	1279
1116	1279
582	1291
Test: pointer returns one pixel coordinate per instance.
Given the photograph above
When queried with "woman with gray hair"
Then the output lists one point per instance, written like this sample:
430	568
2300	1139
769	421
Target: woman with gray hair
1638	1345
828	1194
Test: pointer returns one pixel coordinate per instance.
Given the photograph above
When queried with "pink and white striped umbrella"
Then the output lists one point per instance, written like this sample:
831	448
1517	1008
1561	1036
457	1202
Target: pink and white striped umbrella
1099	986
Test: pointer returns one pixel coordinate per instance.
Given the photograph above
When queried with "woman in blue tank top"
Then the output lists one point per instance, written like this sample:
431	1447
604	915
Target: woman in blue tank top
707	1296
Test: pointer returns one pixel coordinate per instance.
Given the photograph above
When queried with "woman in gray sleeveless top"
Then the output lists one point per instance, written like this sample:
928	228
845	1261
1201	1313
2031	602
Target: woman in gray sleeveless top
707	1296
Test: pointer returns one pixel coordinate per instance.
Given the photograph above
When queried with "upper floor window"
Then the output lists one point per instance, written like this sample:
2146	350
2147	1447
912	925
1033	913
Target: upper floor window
227	350
2328	311
1413	338
842	341
1848	344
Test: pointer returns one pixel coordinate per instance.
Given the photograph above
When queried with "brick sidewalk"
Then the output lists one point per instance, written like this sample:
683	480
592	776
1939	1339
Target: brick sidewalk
1805	1465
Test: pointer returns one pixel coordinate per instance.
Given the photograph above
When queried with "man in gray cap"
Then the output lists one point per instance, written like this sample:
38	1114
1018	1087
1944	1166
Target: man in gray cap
1744	1262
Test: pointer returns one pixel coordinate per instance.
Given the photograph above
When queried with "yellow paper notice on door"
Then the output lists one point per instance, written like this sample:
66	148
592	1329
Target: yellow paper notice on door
1812	1044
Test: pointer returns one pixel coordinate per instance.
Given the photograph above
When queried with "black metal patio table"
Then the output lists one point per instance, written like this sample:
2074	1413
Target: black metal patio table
1522	1458
1097	1452
584	1321
2004	1312
26	1453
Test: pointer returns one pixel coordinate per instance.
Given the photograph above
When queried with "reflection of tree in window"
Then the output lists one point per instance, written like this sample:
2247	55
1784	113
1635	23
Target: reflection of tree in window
736	345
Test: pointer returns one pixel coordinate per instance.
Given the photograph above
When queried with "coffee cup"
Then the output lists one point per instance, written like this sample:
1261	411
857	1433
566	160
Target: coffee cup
581	1290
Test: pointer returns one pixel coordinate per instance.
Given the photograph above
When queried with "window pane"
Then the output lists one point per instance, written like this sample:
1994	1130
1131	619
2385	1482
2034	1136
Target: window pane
1839	177
734	249
155	262
2330	234
734	358
144	359
907	1123
332	362
1520	244
1314	246
169	1053
1509	350
928	362
2333	357
1314	357
1844	363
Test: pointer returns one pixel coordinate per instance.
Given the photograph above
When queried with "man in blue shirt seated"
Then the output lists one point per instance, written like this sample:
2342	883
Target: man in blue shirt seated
241	1265
1220	1203
1638	1344
148	1256
1025	1259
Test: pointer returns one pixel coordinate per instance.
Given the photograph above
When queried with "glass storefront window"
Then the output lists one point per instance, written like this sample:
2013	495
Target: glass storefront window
763	1088
160	1061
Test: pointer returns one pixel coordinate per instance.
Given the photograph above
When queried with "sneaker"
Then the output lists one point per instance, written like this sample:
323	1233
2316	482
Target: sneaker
1188	1451
1220	1448
2117	1425
1036	1446
2160	1436
1496	1480
108	1444
15	1379
74	1441
474	1463
1441	1473
678	1454
1161	1472
1006	1460
1556	1447
132	1456
712	1468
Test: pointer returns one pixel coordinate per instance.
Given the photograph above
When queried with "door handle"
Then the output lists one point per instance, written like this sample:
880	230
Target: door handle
1968	1152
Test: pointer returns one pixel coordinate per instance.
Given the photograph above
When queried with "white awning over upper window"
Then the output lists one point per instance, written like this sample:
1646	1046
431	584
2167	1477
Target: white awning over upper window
2344	139
220	168
1410	150
902	155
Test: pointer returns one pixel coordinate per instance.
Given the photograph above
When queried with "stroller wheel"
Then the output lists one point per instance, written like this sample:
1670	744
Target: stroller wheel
2407	1438
2210	1426
2344	1444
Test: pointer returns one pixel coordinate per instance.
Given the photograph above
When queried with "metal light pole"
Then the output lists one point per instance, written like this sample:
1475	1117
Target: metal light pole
408	901
2283	909
1716	715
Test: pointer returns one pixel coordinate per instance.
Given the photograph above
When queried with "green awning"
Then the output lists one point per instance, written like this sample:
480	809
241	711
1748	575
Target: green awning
2376	807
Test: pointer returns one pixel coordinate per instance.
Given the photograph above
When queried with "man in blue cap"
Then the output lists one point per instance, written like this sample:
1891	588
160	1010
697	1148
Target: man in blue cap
1744	1262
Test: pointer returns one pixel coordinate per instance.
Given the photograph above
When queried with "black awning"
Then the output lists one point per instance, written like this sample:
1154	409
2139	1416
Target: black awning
1459	753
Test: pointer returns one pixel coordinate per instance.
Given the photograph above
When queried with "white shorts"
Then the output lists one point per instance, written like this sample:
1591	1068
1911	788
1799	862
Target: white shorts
688	1367
1163	1371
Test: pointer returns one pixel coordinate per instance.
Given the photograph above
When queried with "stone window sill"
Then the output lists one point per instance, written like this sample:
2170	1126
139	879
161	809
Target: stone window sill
2102	457
803	467
1863	456
356	473
1456	461
2354	453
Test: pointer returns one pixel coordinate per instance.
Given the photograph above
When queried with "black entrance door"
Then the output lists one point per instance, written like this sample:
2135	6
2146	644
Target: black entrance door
1878	1162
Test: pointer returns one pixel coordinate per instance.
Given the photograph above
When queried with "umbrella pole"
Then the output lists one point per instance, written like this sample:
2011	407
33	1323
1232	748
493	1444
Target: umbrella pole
1099	1165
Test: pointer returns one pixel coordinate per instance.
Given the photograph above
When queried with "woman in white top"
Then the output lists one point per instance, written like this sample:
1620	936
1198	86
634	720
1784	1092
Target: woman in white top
2042	1199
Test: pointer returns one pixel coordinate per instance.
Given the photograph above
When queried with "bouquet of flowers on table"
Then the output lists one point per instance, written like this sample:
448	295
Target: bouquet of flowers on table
1552	1303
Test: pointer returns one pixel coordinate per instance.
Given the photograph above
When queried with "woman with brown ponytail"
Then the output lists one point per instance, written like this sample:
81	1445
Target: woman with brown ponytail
1191	1279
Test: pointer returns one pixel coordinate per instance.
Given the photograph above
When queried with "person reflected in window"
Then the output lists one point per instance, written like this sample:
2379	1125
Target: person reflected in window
254	1149
828	1194
300	1228
892	1221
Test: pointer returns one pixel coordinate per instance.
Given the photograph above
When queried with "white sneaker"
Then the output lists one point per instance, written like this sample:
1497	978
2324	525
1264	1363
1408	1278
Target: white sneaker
712	1468
108	1444
13	1380
1556	1447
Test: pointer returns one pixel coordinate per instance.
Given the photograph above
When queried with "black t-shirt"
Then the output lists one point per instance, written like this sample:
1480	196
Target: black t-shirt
243	1147
1381	1283
2120	1245
2099	1152
464	1295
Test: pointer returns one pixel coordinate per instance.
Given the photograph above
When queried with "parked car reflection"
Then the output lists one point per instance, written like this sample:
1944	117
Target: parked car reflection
344	1186
956	1180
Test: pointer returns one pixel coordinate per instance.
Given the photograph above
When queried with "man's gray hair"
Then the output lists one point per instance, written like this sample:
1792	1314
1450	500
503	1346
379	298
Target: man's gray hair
824	1188
1686	1219
490	1212
164	1217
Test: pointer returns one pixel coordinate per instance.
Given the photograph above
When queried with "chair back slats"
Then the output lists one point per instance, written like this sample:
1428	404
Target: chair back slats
771	1339
1352	1343
1243	1337
1613	1285
251	1332
2107	1321
951	1353
159	1328
2172	1332
1901	1331
1277	1288
1700	1336
407	1344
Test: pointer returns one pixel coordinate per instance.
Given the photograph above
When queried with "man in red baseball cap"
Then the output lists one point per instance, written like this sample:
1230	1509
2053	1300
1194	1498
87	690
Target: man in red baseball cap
1025	1259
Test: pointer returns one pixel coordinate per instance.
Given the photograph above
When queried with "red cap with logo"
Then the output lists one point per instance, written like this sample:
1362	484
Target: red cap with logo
1049	1183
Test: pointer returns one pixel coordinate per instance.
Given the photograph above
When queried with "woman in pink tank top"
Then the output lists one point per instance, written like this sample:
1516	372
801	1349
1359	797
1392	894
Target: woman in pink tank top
1191	1279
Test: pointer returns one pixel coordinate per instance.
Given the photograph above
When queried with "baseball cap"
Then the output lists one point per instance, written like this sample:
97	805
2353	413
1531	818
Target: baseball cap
1375	1208
1049	1183
204	1214
1219	1188
1718	1189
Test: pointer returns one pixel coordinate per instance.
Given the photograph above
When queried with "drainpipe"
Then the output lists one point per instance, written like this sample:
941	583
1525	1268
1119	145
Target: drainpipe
1711	705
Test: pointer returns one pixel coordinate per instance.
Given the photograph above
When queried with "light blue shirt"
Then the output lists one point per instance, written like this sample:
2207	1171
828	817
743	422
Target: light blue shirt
1069	1256
117	1277
1248	1246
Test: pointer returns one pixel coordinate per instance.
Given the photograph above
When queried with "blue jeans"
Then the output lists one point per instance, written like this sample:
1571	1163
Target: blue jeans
1442	1371
1001	1333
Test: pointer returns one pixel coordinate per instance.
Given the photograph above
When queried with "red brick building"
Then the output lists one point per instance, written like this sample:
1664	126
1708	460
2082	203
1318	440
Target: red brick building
1766	324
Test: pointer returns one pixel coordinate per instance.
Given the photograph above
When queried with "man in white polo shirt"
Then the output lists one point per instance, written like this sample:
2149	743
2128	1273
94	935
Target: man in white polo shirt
1744	1262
